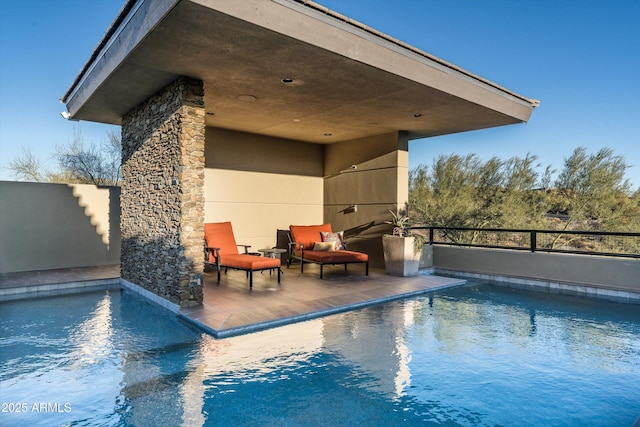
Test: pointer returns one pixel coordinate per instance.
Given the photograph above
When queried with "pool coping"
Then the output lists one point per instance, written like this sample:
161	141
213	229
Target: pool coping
591	291
33	284
52	289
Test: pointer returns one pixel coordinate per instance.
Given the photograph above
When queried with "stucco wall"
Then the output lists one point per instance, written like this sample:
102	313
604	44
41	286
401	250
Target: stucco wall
258	204
606	272
52	226
377	182
261	184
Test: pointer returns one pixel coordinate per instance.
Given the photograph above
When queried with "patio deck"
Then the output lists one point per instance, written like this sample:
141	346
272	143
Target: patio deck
231	308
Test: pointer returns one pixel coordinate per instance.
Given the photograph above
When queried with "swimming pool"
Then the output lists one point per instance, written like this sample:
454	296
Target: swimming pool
473	355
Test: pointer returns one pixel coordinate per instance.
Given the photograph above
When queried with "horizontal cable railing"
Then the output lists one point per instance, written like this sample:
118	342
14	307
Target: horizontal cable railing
575	242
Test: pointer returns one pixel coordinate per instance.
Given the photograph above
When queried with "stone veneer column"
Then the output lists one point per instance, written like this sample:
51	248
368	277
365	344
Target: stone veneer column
162	198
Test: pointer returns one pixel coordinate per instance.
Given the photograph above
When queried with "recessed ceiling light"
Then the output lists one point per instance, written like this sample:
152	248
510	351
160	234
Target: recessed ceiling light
246	98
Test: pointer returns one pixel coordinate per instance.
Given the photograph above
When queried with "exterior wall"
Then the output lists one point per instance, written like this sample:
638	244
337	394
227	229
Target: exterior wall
261	184
379	183
52	226
603	272
162	200
257	211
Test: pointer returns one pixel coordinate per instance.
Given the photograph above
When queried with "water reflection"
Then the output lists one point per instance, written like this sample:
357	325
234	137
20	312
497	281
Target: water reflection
91	339
372	343
471	356
222	366
532	322
70	368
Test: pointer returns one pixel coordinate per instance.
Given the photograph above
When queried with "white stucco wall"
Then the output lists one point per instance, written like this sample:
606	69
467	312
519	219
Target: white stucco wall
258	204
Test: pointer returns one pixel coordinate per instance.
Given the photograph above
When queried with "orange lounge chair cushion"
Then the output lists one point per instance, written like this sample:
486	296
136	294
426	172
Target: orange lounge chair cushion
307	235
249	262
220	235
335	257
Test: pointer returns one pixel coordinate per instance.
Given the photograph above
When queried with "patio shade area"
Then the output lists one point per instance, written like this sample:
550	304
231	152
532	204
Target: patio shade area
284	93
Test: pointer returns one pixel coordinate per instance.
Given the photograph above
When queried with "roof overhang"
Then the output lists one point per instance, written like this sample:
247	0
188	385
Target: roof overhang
348	81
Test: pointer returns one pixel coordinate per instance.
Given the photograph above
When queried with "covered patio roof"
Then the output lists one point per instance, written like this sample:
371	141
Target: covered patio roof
284	68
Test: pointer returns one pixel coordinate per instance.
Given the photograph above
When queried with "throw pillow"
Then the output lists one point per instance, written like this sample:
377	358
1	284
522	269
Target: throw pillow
324	246
337	237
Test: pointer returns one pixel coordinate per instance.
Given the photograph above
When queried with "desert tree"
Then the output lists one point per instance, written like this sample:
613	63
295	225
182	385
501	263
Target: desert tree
592	190
77	162
464	192
27	167
91	164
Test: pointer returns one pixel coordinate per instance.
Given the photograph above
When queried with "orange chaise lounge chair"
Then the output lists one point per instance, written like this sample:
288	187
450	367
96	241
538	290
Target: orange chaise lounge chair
318	244
221	251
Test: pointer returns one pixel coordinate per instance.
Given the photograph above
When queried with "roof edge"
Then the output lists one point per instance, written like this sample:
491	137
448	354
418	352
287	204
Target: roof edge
130	4
323	9
122	14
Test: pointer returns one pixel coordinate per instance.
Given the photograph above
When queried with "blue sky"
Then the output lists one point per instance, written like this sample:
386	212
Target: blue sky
580	58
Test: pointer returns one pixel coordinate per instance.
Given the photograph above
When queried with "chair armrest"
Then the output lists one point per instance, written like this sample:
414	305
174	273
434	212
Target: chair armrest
293	246
246	248
216	252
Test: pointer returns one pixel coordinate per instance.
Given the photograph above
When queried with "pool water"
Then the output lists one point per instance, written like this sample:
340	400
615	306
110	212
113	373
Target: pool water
476	355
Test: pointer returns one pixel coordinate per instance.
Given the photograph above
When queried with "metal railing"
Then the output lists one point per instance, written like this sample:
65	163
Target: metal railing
575	242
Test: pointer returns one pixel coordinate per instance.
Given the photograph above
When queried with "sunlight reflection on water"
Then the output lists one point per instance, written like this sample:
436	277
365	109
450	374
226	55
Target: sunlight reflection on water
475	355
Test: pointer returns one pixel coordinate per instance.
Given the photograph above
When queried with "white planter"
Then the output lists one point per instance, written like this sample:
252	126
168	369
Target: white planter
400	258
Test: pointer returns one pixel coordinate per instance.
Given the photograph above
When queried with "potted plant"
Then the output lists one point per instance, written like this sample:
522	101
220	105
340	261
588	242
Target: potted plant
402	251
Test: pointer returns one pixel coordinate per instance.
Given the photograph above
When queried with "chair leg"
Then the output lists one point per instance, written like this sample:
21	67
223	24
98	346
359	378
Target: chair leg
367	268
278	274
218	273
250	273
321	271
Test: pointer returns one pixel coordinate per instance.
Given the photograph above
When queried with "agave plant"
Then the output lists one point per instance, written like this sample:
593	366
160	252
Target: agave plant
400	224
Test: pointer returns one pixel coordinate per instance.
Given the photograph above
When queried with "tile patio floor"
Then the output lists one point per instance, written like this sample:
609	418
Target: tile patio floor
230	308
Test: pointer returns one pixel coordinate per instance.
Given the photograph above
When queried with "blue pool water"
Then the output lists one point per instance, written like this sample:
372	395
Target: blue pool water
478	355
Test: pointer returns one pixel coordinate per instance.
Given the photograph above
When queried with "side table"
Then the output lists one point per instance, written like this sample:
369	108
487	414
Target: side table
274	253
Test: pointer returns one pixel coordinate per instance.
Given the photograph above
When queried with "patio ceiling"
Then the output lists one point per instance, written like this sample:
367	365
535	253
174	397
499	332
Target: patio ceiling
348	81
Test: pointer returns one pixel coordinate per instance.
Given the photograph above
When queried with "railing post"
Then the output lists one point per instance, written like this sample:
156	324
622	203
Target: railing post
431	235
534	242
